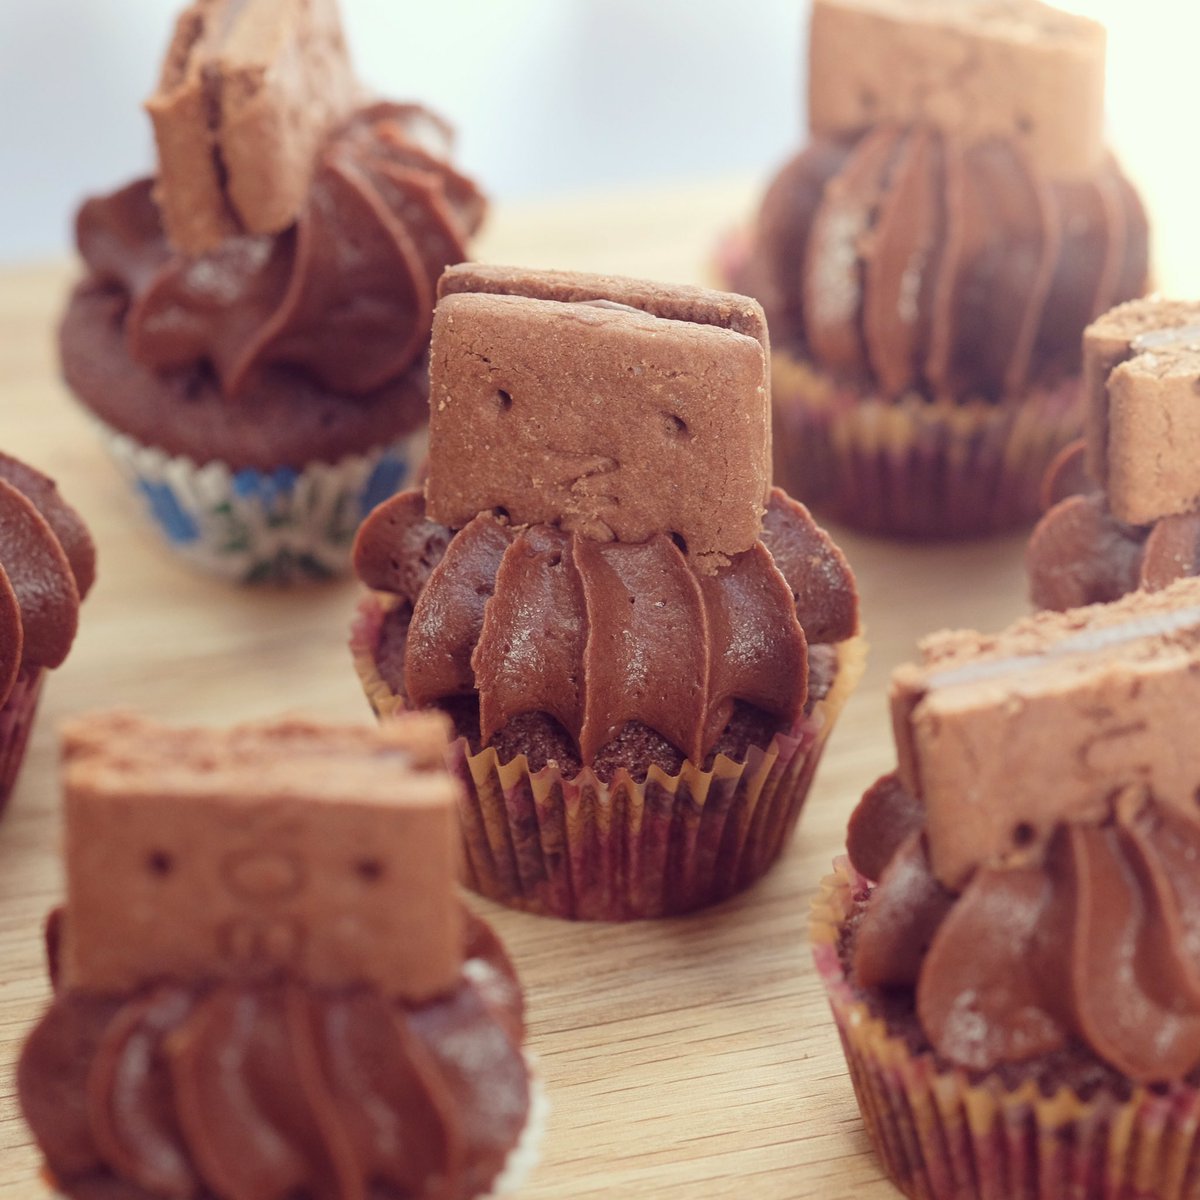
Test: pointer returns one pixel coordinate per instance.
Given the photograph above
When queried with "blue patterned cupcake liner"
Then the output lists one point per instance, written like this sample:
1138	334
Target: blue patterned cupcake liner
249	526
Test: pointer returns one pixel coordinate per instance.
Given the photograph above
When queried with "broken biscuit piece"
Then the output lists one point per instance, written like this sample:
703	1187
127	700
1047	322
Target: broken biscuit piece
1001	738
609	407
1141	379
322	853
249	91
975	69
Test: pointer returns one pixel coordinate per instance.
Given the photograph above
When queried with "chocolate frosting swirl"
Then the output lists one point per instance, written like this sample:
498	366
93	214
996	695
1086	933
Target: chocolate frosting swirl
1081	554
950	271
1093	940
253	1092
602	634
346	294
47	567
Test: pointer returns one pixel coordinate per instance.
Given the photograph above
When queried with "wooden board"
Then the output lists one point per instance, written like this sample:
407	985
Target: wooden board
691	1058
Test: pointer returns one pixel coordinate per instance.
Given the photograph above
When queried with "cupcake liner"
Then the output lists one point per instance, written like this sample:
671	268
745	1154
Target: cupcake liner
588	850
911	468
16	720
942	1135
252	526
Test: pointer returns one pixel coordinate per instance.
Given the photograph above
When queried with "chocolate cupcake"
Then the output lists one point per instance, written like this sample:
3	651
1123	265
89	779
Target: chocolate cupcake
47	566
1124	503
252	331
928	263
1011	951
264	980
643	646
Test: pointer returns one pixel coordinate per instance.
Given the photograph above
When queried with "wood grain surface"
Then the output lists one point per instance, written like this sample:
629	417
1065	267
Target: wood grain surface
687	1058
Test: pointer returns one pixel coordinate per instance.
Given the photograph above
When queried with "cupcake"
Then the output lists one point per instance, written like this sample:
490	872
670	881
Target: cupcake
1011	950
642	645
47	566
1123	504
928	262
264	981
252	330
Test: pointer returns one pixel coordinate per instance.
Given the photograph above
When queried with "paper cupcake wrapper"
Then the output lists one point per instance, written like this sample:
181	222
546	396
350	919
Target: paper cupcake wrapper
911	468
588	850
942	1136
16	720
251	526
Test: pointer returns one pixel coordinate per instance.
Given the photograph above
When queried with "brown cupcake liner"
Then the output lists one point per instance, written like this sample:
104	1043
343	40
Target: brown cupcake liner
942	1135
588	850
911	468
16	720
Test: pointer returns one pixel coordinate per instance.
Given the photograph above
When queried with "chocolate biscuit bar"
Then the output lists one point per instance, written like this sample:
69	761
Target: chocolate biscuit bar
976	69
611	407
326	854
249	90
1141	371
1003	737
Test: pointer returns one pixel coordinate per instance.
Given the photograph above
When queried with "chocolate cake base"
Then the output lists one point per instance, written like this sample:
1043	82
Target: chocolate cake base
287	419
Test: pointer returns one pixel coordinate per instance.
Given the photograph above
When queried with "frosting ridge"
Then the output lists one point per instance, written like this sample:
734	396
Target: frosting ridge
47	567
599	636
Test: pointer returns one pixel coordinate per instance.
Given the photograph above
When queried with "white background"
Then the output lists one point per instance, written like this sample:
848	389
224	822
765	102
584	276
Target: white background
551	97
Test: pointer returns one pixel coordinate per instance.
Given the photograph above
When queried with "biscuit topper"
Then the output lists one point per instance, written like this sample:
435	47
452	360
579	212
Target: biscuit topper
1001	738
323	853
975	69
249	89
615	408
1141	367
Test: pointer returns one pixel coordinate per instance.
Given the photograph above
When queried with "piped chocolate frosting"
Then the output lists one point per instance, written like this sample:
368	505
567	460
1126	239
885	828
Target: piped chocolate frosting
906	259
345	295
1096	941
47	566
602	636
276	1088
